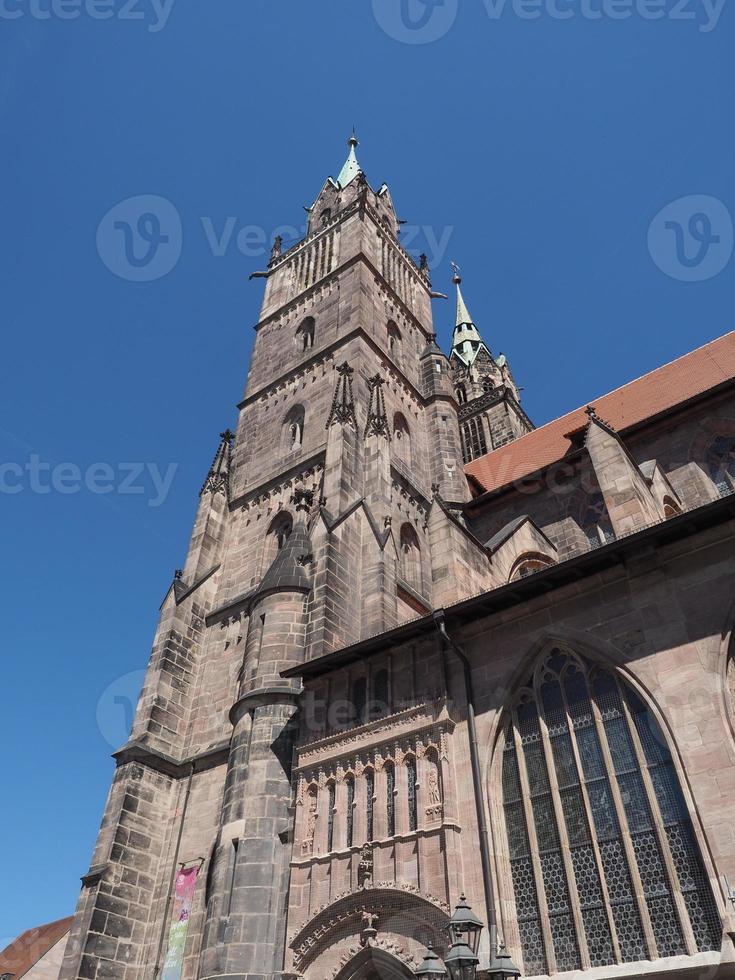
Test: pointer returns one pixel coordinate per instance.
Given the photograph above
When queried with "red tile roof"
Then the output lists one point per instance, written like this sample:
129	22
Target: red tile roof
27	949
639	400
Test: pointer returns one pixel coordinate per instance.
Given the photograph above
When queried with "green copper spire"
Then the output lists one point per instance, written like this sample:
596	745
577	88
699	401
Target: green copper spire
351	168
466	342
463	314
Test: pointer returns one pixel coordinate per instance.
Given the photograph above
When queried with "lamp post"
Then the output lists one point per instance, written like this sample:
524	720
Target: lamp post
502	966
461	961
432	967
464	931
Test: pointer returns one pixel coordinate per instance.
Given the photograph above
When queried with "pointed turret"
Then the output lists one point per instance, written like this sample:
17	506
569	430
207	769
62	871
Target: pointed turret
466	341
351	168
218	478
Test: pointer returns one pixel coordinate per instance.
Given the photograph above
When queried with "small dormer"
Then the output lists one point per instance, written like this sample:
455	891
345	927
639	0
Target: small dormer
519	549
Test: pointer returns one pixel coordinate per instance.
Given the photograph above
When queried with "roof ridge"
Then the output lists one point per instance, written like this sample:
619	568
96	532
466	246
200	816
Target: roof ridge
666	364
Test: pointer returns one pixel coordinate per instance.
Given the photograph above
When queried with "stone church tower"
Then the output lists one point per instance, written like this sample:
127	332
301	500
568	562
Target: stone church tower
490	413
387	674
326	518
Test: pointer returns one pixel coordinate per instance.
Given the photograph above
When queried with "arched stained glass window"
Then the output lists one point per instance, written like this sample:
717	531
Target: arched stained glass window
604	861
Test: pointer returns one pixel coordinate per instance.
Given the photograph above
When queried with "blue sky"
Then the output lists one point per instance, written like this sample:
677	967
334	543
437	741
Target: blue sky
537	143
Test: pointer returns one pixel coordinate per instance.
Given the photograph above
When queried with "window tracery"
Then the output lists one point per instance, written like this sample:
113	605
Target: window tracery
528	564
474	443
604	861
412	802
331	799
390	798
369	804
374	794
721	464
350	813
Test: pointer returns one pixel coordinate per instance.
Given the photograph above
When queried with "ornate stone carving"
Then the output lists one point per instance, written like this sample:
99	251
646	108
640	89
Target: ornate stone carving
343	403
276	250
218	478
369	927
377	420
352	906
307	845
365	867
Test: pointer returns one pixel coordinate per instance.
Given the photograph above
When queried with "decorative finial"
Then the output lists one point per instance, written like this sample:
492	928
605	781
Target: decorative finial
218	478
457	278
353	140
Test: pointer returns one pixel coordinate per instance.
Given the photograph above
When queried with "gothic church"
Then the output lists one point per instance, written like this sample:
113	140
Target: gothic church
420	649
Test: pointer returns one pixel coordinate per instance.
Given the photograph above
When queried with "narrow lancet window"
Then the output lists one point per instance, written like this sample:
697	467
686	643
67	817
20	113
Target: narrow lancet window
369	803
330	816
390	798
350	815
411	779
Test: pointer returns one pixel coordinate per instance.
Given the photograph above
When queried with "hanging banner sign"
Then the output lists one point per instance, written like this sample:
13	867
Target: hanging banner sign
185	883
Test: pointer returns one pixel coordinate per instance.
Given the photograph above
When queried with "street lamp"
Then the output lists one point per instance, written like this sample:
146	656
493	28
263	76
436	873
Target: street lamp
465	923
432	967
461	962
464	929
502	966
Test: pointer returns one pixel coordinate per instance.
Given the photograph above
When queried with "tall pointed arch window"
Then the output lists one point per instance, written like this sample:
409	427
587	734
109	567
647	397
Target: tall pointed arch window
350	815
474	443
603	856
369	803
411	557
330	816
394	338
390	798
411	786
402	439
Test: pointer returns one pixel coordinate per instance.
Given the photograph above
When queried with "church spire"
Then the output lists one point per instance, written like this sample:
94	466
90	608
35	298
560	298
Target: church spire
351	168
466	341
218	478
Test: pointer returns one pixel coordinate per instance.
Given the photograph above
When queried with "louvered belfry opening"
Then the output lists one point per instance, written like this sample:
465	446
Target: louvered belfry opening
603	857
